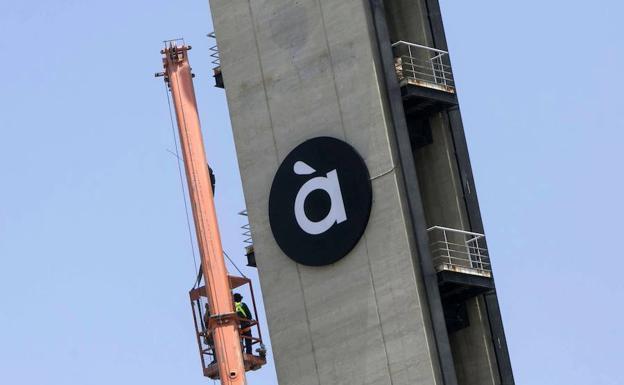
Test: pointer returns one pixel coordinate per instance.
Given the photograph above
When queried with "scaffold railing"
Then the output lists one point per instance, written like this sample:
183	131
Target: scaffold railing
423	66
214	51
459	251
249	329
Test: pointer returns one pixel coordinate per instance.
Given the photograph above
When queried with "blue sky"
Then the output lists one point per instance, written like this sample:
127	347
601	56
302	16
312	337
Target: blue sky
95	261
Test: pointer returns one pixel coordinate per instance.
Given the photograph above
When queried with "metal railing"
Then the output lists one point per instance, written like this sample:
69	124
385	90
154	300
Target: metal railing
246	229
424	66
460	251
214	51
205	324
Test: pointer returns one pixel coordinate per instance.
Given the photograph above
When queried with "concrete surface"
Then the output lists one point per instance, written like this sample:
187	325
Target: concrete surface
296	70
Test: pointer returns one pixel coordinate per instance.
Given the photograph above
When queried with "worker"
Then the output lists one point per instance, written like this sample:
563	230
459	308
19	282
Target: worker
244	314
213	179
208	338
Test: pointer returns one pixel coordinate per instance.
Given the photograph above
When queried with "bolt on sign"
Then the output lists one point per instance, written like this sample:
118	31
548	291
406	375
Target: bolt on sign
320	201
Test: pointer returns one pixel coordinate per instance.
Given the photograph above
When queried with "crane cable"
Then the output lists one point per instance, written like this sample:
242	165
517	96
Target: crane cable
234	264
198	272
177	155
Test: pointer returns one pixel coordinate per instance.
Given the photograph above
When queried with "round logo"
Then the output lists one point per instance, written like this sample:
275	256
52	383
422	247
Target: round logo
320	201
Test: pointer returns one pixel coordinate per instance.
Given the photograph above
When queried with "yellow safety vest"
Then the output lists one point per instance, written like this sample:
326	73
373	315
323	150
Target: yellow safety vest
240	309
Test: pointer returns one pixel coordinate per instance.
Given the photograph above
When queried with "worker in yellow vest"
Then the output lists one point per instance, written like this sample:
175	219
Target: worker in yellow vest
244	314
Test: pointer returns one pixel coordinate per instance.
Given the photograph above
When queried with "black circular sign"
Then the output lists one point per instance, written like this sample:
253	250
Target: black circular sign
320	201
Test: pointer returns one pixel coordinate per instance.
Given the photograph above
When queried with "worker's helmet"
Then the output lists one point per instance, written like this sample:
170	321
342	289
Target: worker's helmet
237	297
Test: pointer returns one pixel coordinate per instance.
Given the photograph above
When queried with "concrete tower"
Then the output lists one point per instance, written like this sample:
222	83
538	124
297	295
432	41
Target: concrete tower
366	226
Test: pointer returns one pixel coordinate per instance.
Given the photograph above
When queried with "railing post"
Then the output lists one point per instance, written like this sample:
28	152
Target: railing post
471	253
448	251
479	254
435	77
411	60
442	69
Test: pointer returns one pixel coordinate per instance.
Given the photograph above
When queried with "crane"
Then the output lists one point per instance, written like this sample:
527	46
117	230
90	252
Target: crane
221	328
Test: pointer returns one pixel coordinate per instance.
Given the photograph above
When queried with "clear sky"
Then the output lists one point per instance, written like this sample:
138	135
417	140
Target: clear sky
95	260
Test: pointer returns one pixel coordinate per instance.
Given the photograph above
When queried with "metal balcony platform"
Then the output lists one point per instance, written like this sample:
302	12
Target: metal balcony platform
463	269
462	263
218	77
419	100
216	62
425	77
459	287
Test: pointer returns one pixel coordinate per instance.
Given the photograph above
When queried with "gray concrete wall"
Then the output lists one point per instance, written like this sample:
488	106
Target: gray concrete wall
475	360
439	181
408	21
294	70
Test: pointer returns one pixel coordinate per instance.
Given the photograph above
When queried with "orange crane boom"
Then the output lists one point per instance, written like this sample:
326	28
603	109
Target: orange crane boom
224	321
